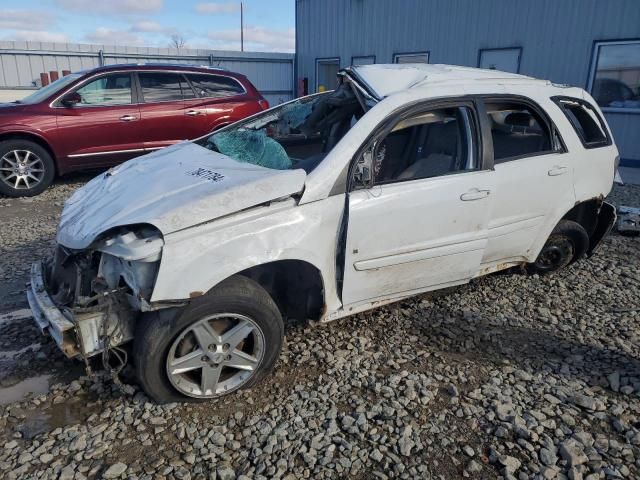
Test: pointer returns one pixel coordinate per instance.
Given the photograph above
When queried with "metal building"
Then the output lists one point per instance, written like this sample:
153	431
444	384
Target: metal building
594	44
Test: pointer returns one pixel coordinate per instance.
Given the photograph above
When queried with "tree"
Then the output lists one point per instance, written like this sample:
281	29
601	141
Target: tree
177	41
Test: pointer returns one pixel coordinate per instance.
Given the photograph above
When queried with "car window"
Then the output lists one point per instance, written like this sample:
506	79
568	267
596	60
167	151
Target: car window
214	86
163	87
430	144
108	90
586	122
517	131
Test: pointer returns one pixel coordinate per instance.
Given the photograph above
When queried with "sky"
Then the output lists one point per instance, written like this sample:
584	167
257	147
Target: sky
268	24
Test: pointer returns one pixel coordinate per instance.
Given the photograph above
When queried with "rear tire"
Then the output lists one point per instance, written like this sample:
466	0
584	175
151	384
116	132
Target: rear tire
567	243
26	168
179	352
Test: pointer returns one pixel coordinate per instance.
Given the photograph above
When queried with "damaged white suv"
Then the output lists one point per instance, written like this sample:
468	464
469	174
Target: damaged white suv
406	178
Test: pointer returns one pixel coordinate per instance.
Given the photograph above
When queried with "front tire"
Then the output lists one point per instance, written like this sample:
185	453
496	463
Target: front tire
568	242
224	341
26	168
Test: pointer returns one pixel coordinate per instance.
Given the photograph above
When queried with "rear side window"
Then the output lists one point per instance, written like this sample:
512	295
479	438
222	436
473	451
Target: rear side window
586	122
518	131
214	86
163	87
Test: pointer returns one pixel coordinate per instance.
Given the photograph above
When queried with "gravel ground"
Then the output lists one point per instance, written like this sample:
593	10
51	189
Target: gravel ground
510	376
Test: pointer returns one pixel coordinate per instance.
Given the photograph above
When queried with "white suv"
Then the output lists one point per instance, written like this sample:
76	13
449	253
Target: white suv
405	179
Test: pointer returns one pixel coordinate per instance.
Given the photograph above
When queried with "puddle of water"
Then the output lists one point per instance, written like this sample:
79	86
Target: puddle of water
35	385
12	354
22	314
72	412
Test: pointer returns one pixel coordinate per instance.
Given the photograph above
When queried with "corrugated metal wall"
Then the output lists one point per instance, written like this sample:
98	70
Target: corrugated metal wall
22	62
556	37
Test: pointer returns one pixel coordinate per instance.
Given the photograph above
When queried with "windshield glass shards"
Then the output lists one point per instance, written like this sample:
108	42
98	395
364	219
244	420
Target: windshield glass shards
297	134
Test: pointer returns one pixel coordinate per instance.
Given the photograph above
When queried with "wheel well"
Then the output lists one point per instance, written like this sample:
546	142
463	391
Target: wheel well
31	138
586	214
295	285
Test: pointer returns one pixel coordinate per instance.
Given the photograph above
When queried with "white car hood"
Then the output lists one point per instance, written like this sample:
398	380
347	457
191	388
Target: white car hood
171	189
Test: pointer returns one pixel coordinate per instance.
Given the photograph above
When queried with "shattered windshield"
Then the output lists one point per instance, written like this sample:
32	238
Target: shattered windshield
297	134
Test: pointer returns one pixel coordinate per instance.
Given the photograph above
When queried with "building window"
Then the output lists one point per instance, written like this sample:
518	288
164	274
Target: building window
419	57
327	73
503	59
615	76
363	60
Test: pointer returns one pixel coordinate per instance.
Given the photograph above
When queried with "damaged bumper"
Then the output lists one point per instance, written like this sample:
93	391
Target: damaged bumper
79	332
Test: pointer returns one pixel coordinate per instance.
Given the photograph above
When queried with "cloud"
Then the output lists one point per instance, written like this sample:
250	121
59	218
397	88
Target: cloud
149	26
24	20
212	8
39	36
113	7
112	36
255	38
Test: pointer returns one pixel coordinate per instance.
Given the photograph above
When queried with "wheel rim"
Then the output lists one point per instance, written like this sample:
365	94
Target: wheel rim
215	355
555	254
21	169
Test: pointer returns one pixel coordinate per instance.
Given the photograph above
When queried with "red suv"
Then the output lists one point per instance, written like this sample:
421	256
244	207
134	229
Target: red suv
107	115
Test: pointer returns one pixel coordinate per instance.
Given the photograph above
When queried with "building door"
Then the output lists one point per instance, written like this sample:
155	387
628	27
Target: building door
504	59
326	74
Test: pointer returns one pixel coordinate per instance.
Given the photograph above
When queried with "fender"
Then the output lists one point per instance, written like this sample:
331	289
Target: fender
197	259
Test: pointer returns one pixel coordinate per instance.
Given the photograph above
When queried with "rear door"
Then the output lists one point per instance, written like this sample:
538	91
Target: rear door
104	128
221	100
422	223
533	174
166	110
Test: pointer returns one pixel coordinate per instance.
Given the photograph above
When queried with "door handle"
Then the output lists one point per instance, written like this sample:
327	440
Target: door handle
558	170
474	194
192	113
127	118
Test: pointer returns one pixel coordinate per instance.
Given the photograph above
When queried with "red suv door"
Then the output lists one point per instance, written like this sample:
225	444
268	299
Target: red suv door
166	112
104	127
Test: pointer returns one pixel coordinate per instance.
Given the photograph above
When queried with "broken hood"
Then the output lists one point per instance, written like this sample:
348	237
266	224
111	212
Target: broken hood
171	189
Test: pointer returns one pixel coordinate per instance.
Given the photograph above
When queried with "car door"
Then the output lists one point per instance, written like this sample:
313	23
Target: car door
420	221
533	178
221	100
166	113
104	126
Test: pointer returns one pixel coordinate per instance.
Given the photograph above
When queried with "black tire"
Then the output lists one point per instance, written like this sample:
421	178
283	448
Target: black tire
156	332
36	151
567	243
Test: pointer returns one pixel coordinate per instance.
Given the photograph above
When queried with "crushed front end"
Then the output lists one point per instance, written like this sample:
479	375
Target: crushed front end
89	300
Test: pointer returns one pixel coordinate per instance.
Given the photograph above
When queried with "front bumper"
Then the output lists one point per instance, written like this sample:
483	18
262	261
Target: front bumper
80	331
48	316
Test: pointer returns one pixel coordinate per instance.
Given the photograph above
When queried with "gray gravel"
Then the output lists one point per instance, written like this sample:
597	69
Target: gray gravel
511	376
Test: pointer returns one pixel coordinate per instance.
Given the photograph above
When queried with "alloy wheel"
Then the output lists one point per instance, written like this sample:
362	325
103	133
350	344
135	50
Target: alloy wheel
21	169
215	355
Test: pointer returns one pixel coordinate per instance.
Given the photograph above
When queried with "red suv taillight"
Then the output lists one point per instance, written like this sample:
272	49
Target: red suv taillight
264	104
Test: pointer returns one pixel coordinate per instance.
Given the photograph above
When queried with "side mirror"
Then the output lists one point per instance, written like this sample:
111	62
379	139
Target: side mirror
71	99
362	172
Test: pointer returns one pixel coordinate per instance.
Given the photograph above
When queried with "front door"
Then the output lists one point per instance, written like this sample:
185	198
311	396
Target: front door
104	127
422	223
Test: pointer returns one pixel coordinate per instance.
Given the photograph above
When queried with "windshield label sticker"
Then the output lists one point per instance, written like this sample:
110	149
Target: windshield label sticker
206	174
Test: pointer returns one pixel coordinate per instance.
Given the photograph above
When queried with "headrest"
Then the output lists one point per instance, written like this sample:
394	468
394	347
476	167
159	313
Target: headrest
519	119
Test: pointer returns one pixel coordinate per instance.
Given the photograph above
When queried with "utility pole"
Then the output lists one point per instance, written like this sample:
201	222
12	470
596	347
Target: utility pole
241	29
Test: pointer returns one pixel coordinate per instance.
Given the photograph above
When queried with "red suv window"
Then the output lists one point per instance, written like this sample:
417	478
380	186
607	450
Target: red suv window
164	87
215	86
